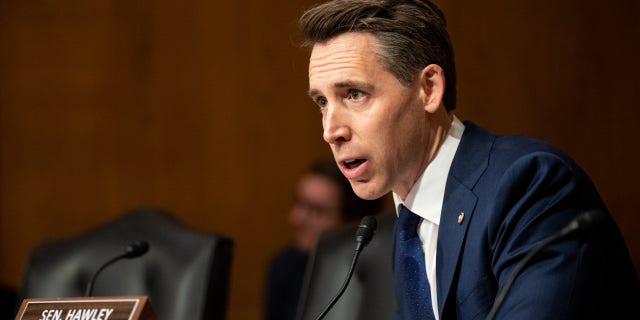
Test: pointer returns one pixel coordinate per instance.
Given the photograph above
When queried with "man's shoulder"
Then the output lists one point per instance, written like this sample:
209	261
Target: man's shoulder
509	145
485	154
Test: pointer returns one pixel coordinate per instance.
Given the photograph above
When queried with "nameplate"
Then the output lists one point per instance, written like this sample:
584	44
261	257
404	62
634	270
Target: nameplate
91	308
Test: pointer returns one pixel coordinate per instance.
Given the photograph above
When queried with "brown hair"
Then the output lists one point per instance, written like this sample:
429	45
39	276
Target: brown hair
411	34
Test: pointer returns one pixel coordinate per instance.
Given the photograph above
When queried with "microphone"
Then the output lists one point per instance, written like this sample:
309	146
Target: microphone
364	234
133	250
579	226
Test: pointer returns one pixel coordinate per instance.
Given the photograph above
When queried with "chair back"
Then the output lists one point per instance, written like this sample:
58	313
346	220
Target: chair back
185	273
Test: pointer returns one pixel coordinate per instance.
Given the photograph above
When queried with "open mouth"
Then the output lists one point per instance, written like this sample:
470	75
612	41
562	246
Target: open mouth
350	164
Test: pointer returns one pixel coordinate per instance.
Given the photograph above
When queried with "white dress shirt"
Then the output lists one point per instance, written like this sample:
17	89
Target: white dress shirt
425	199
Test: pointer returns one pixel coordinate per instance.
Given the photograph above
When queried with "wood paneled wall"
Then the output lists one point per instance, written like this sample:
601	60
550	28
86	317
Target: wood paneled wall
200	107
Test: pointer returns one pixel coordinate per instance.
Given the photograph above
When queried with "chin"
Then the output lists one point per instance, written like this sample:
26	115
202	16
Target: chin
366	191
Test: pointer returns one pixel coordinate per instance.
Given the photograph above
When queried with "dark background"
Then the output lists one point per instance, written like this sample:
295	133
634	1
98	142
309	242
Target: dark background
200	107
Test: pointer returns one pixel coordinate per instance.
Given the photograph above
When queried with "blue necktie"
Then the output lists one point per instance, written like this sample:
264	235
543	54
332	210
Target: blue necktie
413	294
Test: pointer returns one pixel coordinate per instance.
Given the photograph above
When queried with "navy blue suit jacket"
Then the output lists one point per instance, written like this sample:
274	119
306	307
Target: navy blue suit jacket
515	191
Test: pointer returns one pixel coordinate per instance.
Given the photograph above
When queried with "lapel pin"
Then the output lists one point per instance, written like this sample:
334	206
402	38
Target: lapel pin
461	217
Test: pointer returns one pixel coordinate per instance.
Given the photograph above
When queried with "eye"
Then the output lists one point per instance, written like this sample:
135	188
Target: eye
355	94
321	102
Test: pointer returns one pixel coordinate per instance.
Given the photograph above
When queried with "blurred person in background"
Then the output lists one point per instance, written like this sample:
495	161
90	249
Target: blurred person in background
323	200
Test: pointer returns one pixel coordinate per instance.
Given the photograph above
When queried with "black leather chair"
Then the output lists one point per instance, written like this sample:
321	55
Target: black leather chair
185	273
370	294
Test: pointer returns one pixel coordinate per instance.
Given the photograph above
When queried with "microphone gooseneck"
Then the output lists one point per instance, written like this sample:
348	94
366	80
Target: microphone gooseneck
133	250
364	234
579	226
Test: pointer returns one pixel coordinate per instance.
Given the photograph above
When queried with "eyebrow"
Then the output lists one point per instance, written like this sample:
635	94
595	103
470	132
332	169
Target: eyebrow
313	92
344	84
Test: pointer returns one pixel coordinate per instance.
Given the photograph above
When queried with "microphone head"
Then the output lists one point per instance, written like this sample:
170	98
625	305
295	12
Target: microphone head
588	220
136	249
366	230
584	223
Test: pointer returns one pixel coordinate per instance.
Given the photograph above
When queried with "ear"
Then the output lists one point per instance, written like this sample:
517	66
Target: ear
432	84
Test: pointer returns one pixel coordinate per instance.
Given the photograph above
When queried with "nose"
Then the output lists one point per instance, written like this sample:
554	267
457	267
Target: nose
334	123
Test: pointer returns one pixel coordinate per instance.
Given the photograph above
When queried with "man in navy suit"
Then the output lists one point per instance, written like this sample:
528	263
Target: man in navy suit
383	76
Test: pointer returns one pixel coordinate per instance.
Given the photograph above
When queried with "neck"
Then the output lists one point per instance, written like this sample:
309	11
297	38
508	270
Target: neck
439	130
439	126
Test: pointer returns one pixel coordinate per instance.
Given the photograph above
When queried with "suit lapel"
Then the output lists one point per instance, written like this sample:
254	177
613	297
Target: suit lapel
457	211
459	203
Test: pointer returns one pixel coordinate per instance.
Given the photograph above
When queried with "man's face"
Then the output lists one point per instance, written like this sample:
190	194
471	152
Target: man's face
316	208
376	127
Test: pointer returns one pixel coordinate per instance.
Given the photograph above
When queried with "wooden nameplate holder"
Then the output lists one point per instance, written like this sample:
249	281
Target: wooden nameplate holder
93	308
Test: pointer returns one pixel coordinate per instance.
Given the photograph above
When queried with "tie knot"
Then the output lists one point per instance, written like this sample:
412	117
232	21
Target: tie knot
407	223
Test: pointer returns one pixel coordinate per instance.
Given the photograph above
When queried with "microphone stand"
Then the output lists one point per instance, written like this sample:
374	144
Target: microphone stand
580	225
516	271
365	232
89	291
134	250
344	285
